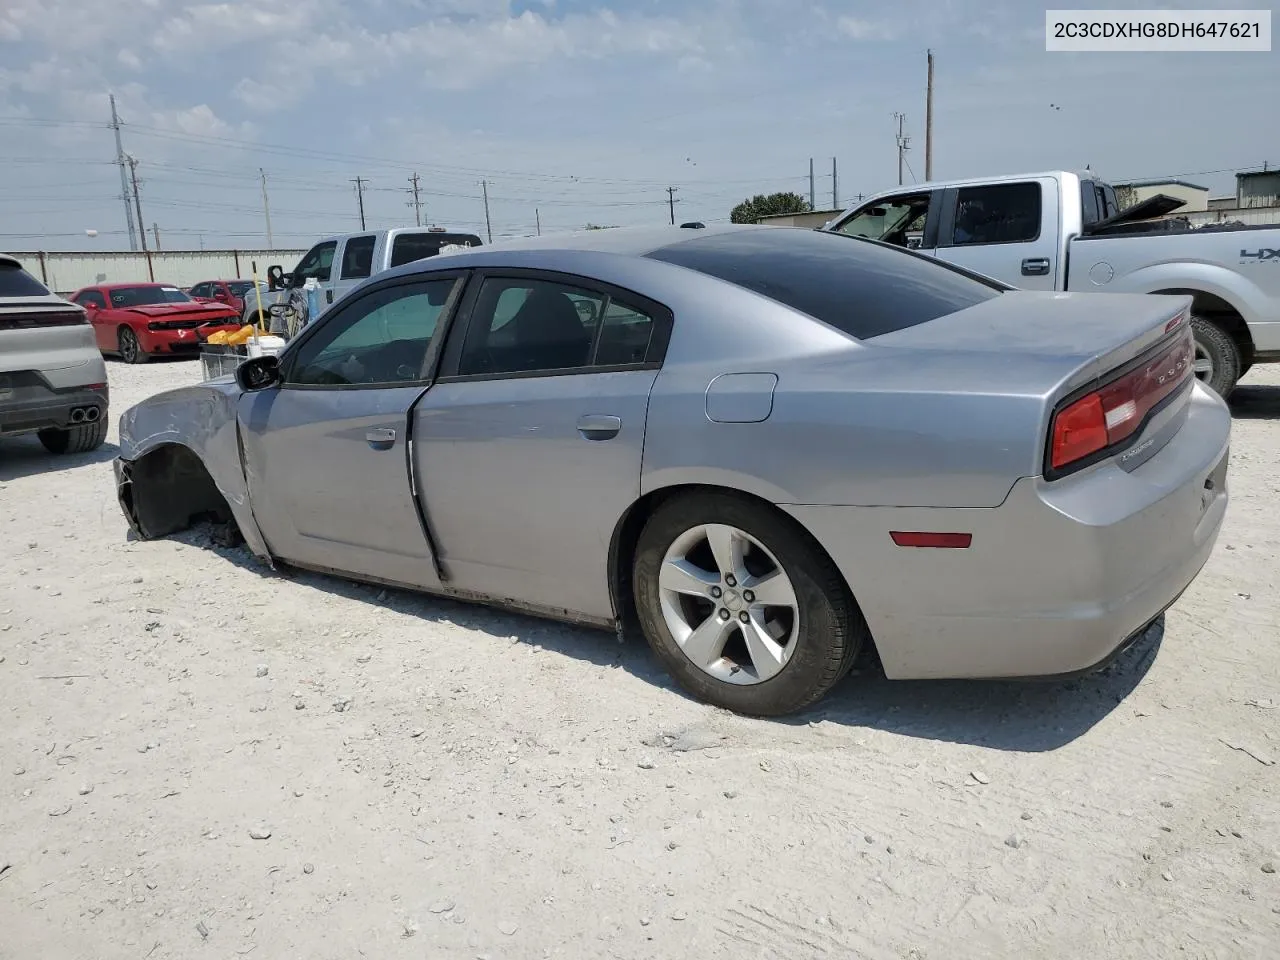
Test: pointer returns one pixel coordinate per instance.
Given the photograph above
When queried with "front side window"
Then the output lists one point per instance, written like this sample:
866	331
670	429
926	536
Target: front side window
201	290
357	258
896	220
1003	213
317	263
381	338
145	296
519	326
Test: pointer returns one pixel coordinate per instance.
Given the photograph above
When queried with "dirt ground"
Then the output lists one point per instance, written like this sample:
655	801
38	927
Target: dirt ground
201	758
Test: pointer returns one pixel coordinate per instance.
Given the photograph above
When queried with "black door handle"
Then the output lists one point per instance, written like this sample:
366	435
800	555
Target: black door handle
597	427
328	296
1035	267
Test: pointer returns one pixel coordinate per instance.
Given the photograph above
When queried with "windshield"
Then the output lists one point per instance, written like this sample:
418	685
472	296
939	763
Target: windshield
145	296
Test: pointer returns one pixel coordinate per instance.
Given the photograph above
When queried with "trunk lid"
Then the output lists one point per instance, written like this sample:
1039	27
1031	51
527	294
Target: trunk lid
44	335
1062	341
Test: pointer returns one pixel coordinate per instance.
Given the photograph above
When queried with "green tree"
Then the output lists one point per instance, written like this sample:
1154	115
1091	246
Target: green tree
762	205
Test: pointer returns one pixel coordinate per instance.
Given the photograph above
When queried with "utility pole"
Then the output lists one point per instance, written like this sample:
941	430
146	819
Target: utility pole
124	178
266	209
812	199
835	193
928	124
671	203
903	140
416	203
488	225
360	182
156	229
137	201
537	219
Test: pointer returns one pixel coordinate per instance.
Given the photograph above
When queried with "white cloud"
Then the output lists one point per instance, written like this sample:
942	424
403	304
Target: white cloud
859	29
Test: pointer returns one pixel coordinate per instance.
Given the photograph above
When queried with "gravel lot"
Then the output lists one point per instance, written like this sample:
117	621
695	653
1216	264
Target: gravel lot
201	758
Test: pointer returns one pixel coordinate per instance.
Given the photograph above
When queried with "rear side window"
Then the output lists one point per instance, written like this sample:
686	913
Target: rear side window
16	282
859	287
357	258
408	247
1004	213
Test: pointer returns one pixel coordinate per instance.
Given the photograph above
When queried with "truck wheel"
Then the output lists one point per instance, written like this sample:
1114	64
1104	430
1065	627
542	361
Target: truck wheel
1217	363
81	438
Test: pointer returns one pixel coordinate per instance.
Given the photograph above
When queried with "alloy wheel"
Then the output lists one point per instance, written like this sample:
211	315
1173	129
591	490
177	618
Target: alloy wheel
1202	366
730	606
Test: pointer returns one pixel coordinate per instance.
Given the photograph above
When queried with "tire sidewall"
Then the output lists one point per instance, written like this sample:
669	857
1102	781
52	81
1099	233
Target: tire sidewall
127	335
823	637
1217	343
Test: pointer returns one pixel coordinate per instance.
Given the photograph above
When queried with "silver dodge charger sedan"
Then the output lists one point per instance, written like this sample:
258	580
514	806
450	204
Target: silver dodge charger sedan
771	447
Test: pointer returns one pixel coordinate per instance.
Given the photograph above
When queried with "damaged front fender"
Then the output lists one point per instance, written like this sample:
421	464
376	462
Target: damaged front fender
180	460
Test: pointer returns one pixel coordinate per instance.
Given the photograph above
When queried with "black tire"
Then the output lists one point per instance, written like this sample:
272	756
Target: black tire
1217	346
80	438
130	349
831	629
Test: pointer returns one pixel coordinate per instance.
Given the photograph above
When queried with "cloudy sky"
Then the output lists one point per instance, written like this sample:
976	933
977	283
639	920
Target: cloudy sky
583	110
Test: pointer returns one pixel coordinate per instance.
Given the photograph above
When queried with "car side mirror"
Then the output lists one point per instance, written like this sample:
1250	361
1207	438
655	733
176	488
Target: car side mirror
258	373
275	277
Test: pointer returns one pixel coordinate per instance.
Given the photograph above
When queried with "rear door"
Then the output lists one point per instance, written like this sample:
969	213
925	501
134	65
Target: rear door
327	450
1008	231
527	447
355	263
906	219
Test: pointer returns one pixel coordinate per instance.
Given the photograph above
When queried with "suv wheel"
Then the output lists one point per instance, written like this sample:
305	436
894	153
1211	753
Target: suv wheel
80	438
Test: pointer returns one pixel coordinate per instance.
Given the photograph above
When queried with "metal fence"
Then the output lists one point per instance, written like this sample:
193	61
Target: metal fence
67	272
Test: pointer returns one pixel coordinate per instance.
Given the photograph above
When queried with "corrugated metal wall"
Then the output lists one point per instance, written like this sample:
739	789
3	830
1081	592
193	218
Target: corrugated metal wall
66	272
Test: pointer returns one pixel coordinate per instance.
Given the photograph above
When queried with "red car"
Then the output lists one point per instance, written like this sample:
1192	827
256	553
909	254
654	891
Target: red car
234	293
138	320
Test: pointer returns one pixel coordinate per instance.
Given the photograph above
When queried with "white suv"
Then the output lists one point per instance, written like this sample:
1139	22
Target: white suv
53	381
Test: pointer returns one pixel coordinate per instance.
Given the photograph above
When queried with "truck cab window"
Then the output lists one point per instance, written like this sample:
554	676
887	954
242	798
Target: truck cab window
897	220
317	263
1002	213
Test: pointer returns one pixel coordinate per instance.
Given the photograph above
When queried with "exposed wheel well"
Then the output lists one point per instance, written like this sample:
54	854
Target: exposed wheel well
168	490
1212	307
626	536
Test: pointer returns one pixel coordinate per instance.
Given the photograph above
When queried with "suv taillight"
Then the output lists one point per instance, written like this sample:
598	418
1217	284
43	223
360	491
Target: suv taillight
1113	412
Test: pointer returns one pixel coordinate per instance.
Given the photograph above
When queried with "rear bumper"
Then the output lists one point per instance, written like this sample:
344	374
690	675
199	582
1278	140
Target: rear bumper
1057	578
28	403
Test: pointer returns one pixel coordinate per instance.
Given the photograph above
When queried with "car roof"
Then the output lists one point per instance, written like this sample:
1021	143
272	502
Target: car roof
627	241
5	258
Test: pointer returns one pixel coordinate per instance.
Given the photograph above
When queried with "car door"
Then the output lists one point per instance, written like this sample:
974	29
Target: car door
326	450
527	447
906	219
1008	231
95	307
355	263
201	291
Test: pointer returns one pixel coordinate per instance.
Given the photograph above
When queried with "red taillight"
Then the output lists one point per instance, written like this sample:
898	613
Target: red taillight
919	538
1115	411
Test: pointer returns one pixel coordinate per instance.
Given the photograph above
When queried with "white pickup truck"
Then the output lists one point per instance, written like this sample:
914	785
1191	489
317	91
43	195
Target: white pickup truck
1063	231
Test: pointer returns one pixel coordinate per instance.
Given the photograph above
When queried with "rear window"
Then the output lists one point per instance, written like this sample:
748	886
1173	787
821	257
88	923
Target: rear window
16	282
857	286
408	247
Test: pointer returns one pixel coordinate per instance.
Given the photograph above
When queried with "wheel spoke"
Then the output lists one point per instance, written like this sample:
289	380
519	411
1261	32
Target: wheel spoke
705	645
726	545
766	655
681	576
772	590
1202	365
